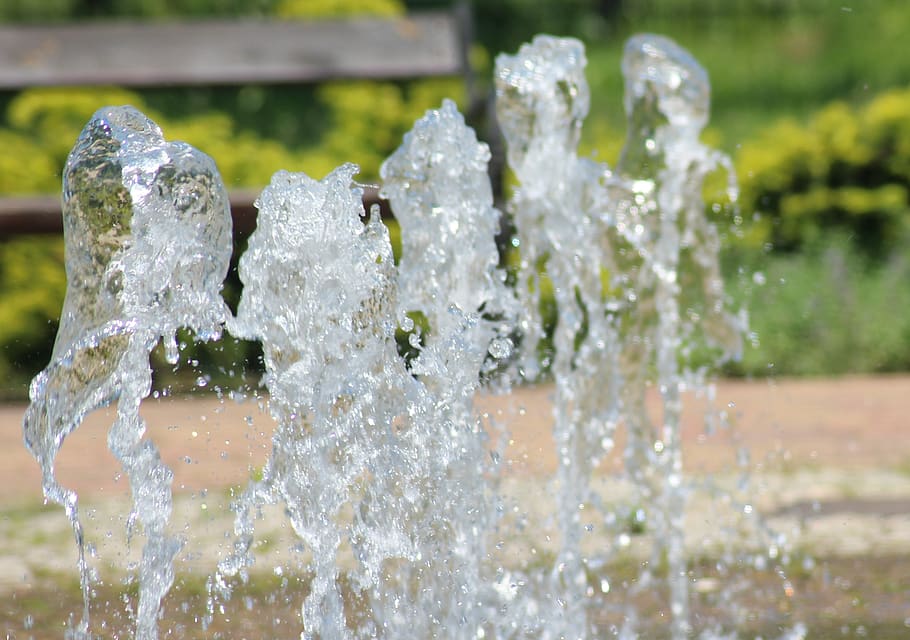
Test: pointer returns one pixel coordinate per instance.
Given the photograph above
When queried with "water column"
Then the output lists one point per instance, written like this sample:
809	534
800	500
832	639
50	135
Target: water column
439	189
147	230
674	319
563	239
381	466
633	264
320	293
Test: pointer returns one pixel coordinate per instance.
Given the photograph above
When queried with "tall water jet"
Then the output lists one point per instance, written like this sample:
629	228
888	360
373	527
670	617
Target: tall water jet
319	292
380	466
438	185
148	240
613	245
559	211
675	310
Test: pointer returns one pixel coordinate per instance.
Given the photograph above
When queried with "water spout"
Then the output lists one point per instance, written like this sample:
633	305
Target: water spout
148	240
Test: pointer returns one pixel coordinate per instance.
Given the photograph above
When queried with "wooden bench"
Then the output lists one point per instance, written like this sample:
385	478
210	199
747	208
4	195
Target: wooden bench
248	51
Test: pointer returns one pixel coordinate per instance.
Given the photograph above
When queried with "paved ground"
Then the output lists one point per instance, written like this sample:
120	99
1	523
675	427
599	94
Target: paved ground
851	424
830	462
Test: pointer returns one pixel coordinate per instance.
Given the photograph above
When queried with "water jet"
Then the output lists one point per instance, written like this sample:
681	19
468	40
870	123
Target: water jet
386	473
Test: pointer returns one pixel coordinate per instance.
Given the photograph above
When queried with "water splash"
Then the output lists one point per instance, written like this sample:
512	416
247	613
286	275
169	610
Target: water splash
613	246
438	185
319	292
148	240
380	467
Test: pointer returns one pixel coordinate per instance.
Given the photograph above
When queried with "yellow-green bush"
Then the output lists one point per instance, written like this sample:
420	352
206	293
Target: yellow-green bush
847	169
334	8
33	280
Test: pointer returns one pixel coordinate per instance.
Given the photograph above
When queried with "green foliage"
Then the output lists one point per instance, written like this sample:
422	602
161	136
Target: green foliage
826	311
825	202
25	167
47	121
67	10
772	63
60	10
376	116
503	25
31	272
766	59
35	10
848	169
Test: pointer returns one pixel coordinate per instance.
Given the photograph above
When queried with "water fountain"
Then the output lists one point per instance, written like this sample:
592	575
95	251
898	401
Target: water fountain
384	469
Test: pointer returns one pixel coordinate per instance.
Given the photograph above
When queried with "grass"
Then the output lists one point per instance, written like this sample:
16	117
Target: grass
826	311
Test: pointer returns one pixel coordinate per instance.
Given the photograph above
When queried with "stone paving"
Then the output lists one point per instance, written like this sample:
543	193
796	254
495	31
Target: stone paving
829	468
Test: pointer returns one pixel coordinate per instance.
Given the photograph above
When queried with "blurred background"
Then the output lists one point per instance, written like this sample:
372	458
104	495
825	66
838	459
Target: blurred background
811	98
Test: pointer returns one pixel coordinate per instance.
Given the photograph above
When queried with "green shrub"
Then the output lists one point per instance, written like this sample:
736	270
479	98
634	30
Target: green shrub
847	170
31	270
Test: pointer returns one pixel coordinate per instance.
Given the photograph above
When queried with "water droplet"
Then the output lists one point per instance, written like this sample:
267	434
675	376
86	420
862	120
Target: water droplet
170	350
501	348
788	589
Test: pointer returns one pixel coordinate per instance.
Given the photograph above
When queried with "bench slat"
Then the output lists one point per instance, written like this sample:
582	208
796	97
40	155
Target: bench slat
229	52
42	214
